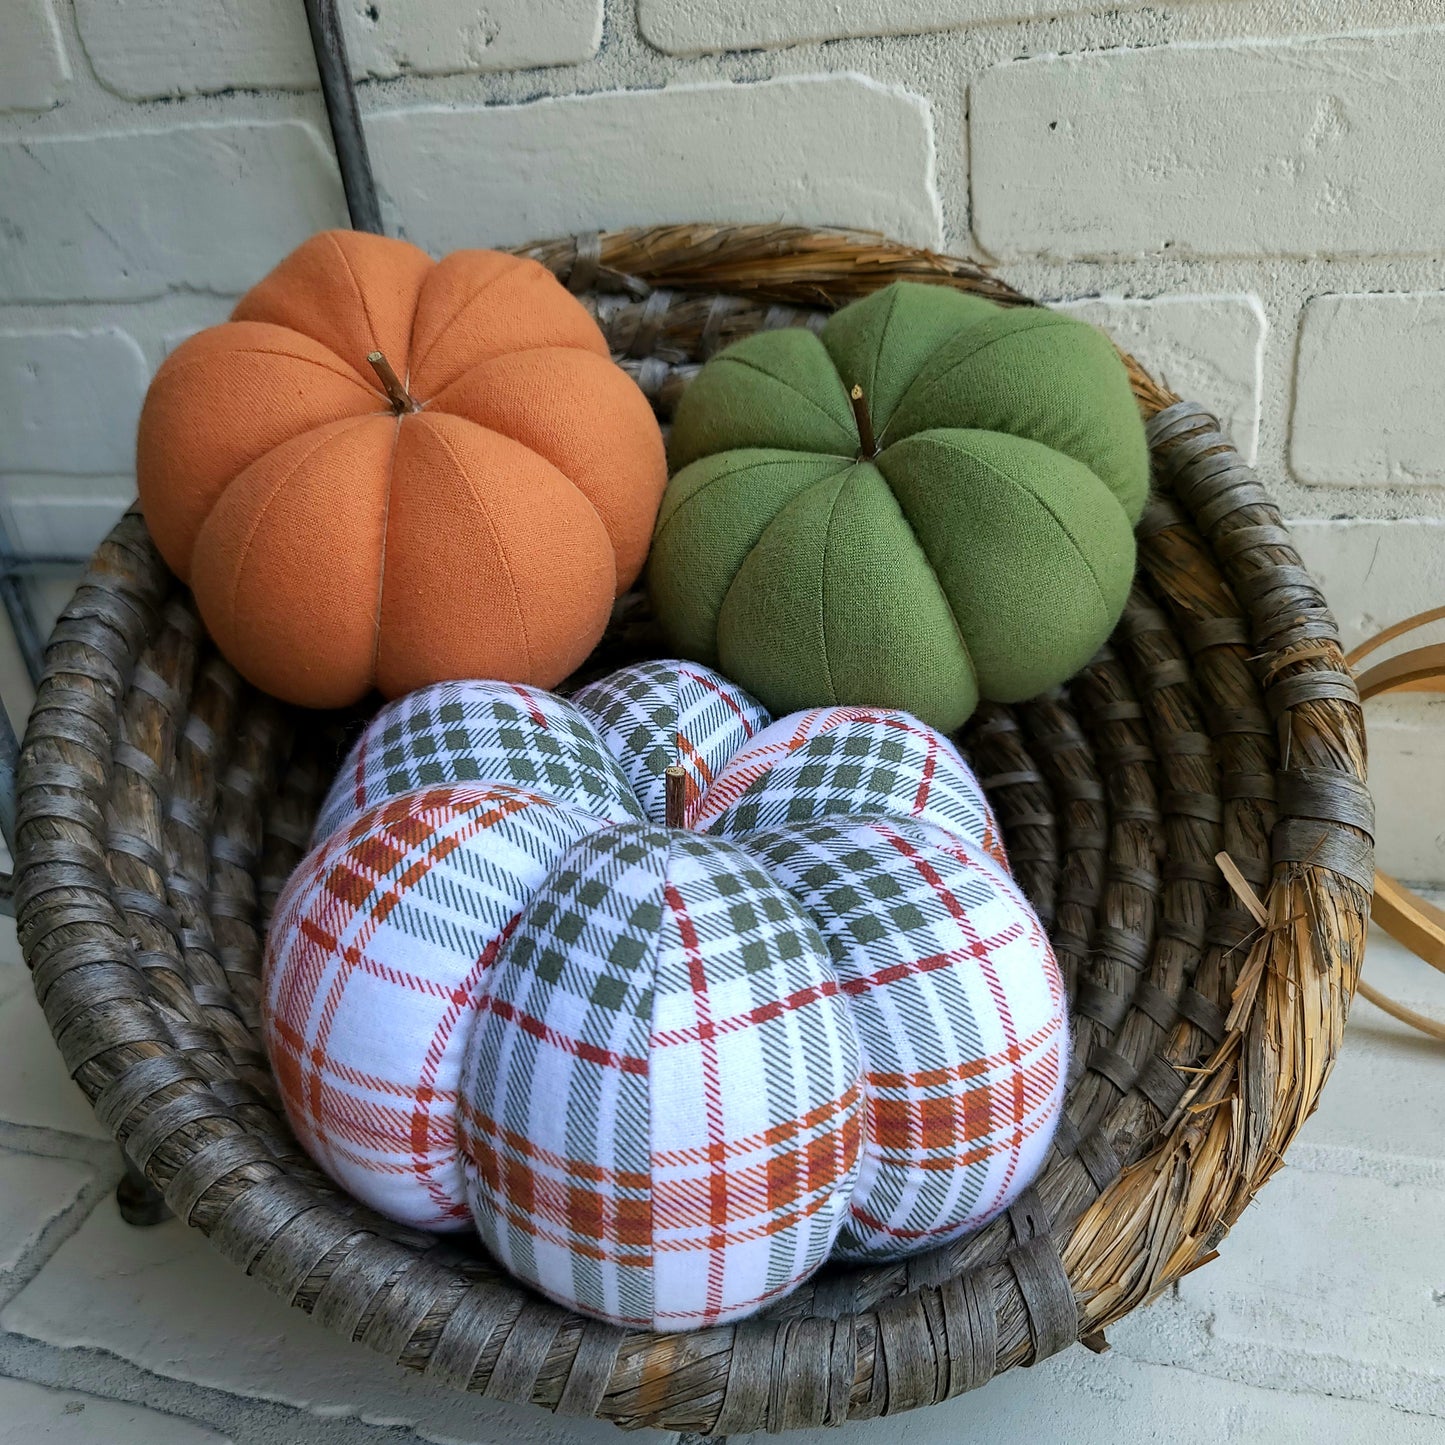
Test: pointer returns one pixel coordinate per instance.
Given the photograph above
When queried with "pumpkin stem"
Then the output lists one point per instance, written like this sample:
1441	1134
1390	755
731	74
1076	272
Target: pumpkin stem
867	443
401	399
675	808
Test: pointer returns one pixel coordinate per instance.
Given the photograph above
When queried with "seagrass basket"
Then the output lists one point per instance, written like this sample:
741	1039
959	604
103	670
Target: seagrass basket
162	804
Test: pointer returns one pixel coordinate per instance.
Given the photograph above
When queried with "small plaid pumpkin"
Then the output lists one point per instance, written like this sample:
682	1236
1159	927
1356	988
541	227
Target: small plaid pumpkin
666	1072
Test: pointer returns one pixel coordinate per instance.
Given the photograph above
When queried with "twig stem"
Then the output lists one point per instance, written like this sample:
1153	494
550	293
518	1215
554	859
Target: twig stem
401	399
675	806
867	442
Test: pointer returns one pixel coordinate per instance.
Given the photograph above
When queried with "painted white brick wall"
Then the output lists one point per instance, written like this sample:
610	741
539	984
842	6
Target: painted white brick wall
688	27
142	49
34	72
1370	391
704	152
129	214
1299	147
1241	191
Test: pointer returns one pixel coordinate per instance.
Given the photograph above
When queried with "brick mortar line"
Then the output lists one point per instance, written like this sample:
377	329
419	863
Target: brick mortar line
245	1419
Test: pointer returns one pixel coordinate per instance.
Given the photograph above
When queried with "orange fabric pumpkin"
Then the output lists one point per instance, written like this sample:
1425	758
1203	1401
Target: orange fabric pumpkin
474	518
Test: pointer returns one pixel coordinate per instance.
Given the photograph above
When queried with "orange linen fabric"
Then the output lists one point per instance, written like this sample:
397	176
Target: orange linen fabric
333	545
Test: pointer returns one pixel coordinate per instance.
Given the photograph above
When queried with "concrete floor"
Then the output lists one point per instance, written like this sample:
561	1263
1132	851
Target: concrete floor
1322	1323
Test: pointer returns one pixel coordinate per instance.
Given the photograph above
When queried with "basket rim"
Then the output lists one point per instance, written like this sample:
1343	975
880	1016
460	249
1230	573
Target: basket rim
1149	1223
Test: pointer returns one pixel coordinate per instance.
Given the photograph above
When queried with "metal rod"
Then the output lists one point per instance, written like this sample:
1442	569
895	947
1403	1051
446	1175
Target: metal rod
9	759
347	136
16	602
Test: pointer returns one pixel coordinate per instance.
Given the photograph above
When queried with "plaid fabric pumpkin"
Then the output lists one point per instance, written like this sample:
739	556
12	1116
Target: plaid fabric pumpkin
666	1072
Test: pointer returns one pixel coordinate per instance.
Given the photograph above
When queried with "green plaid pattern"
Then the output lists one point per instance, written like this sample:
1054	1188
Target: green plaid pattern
479	732
660	1111
859	762
959	1008
655	714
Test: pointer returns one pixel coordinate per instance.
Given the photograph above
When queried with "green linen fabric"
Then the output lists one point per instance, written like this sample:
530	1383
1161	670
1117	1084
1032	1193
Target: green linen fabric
985	551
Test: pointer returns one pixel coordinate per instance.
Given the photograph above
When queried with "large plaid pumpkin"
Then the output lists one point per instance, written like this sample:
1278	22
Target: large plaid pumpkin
666	1072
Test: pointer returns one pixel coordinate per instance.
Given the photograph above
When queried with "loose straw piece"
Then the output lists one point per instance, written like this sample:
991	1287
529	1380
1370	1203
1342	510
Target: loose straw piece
1242	890
675	805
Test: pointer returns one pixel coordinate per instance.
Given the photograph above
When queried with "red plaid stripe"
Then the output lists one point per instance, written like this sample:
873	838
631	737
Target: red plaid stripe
374	969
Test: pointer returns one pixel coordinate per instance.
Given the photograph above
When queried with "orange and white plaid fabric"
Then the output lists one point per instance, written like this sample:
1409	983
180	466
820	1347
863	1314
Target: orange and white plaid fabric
666	1073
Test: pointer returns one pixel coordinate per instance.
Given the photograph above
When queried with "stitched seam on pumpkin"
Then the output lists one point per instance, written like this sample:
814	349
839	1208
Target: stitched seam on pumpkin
1053	515
467	305
276	491
497	539
798	392
452	319
651	1107
385	532
823	585
184	362
872	388
728	591
1052	319
937	580
790	460
361	297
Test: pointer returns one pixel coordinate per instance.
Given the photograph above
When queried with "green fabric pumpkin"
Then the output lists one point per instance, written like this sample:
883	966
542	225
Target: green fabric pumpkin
985	549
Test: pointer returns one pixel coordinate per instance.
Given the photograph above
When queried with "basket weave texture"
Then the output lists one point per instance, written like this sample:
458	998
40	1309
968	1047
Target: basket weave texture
162	804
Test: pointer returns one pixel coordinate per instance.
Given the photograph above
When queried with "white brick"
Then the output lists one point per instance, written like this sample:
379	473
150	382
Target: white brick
818	150
1375	573
34	1191
166	1300
1086	1399
1208	349
34	73
63	516
1291	147
1333	1284
71	399
134	213
29	1413
691	27
1367	404
148	48
34	1086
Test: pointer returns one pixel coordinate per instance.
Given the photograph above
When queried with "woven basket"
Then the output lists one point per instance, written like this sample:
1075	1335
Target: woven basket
162	804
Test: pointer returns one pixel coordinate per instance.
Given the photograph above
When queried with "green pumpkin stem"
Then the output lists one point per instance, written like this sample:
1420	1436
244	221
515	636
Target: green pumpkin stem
868	447
401	398
675	805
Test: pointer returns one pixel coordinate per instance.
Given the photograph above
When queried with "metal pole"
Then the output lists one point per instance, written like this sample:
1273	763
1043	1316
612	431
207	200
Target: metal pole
347	135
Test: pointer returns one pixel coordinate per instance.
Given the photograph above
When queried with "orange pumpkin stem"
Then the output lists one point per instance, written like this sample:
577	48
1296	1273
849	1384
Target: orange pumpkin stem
675	804
401	399
867	442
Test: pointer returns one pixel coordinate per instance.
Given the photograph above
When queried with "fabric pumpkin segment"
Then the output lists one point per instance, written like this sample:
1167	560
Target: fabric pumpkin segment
668	1072
857	762
958	1011
656	714
471	732
376	960
661	1113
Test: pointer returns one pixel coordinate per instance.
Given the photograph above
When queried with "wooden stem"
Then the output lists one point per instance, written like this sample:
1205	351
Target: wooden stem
401	400
675	808
867	442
